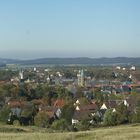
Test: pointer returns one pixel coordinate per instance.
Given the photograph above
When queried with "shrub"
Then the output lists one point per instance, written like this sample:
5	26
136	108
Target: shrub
95	120
122	114
41	119
110	118
82	125
60	124
135	116
4	113
67	112
16	123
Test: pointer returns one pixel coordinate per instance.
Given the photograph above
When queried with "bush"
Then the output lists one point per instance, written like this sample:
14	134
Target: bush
82	125
67	112
122	114
110	118
135	116
27	115
41	119
60	124
16	123
4	114
95	120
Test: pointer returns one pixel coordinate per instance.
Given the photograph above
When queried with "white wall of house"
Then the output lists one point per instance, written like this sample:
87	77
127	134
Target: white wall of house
74	121
125	103
77	108
103	106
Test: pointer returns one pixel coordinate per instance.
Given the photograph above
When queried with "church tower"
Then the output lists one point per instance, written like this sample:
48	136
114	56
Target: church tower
21	76
80	77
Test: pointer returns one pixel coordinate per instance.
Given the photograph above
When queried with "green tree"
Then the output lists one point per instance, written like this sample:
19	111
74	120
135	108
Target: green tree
4	113
82	125
110	118
135	116
60	124
41	119
96	120
122	114
15	91
67	112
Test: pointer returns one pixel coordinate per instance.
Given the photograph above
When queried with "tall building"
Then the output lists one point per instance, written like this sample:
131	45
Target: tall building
21	77
80	77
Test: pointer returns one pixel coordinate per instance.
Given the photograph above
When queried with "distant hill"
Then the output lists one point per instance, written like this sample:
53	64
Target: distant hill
80	61
84	60
4	61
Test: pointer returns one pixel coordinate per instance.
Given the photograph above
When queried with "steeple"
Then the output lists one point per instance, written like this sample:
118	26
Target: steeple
80	77
21	76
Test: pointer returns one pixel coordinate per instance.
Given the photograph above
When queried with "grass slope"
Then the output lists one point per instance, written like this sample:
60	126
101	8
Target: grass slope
128	132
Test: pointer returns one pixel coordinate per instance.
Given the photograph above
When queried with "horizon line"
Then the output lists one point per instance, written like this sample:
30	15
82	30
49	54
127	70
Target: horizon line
24	59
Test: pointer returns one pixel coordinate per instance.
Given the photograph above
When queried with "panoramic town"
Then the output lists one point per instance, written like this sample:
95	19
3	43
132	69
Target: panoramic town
70	98
69	69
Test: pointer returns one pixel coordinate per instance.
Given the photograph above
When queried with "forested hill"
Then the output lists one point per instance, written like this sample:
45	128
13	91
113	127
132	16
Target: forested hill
80	60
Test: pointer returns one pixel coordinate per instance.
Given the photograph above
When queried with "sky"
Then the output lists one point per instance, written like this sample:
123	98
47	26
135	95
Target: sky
69	28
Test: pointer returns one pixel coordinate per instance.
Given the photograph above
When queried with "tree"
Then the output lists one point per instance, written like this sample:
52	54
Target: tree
4	113
135	115
27	114
3	94
60	124
99	97
67	112
122	114
82	125
110	118
41	119
61	92
7	75
95	120
15	91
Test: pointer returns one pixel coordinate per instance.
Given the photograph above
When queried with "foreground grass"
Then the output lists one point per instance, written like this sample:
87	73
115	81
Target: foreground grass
128	132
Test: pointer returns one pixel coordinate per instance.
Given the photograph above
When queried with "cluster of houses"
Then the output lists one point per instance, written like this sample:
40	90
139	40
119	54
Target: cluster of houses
88	111
82	111
18	109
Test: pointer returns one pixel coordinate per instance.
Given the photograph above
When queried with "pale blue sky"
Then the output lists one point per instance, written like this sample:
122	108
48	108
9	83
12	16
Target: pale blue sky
69	28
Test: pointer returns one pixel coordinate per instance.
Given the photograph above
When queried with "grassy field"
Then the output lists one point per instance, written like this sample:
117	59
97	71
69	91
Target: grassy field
128	132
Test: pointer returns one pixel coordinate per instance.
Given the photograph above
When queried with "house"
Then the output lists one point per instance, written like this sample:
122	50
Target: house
15	109
104	107
59	103
116	89
123	68
118	67
111	104
52	112
80	115
130	103
126	89
106	89
14	103
133	68
37	102
83	112
91	107
77	102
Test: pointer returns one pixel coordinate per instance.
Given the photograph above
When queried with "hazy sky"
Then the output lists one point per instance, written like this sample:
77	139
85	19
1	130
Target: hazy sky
69	28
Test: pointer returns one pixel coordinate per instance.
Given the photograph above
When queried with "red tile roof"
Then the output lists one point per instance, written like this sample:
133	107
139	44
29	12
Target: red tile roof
14	103
59	103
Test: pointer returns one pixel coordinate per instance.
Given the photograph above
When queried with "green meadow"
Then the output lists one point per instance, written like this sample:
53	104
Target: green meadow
124	132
